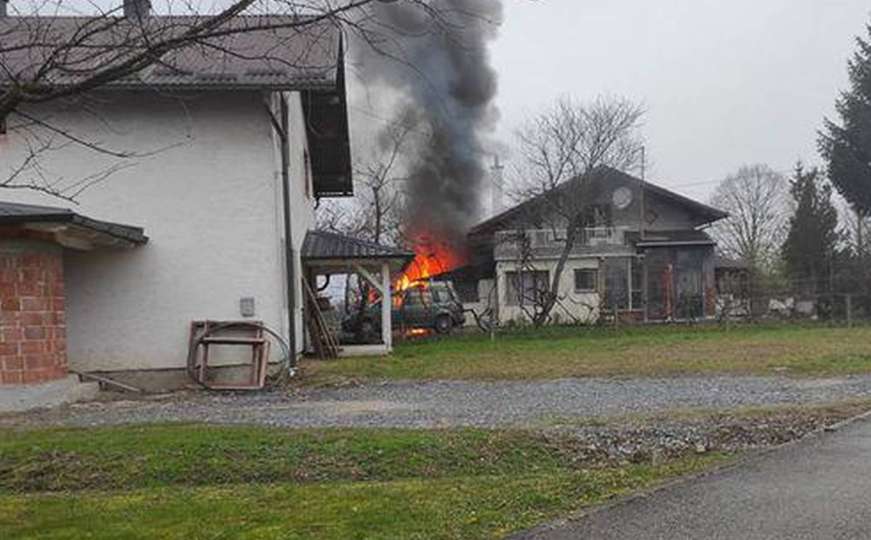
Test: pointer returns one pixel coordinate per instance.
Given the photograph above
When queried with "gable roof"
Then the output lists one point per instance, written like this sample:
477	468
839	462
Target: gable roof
708	213
288	57
323	245
258	52
37	216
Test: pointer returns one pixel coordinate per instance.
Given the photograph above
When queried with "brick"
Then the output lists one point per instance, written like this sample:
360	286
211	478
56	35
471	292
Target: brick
12	335
8	348
34	304
34	318
34	332
30	347
10	304
11	377
13	363
30	377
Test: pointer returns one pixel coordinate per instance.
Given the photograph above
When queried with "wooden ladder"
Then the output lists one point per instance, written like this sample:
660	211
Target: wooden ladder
324	342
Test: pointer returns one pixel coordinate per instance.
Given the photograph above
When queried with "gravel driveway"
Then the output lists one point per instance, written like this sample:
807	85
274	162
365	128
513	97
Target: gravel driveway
443	404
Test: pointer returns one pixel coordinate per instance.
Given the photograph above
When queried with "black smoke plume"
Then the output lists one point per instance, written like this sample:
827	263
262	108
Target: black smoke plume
439	67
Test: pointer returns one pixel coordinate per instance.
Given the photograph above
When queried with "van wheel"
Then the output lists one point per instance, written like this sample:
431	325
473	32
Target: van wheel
443	324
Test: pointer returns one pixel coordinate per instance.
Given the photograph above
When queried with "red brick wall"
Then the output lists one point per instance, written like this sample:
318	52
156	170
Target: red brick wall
32	318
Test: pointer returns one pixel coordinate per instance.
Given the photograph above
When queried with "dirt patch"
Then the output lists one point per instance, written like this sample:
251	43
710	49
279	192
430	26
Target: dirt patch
644	439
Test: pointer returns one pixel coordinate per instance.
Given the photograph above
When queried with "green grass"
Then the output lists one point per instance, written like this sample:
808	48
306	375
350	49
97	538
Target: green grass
631	351
180	481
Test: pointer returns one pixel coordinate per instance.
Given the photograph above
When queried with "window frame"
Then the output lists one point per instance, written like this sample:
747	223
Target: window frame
595	282
517	296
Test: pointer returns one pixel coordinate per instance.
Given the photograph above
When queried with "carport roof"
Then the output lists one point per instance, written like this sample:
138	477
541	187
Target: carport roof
74	227
326	246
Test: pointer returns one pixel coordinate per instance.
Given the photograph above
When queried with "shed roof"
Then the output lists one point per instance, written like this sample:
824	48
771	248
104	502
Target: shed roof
323	246
57	220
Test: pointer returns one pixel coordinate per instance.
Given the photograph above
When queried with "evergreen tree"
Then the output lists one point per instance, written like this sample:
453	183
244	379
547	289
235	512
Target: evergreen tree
846	147
812	240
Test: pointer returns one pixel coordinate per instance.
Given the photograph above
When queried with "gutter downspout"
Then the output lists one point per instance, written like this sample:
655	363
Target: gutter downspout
281	127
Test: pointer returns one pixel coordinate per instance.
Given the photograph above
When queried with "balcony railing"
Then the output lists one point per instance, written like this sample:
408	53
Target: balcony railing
547	238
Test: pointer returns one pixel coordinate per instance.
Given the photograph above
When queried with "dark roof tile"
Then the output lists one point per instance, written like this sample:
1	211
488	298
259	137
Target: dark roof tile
322	245
288	57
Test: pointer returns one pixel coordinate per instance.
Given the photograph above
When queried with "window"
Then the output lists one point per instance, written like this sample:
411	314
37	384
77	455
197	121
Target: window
467	291
417	297
2	125
586	280
526	288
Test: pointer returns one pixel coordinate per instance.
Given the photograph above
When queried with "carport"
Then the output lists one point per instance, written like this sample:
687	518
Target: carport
326	254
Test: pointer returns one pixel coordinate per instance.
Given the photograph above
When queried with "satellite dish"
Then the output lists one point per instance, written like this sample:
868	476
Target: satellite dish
622	198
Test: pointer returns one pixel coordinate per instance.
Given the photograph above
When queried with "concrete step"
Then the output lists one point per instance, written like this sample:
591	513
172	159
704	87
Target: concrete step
24	397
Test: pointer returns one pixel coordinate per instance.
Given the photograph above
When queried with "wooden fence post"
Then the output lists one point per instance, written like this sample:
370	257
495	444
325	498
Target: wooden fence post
849	298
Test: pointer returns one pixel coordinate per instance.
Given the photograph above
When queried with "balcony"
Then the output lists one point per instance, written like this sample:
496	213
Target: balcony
548	242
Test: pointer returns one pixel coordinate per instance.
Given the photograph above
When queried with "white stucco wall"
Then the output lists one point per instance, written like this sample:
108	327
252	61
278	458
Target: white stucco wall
582	306
210	202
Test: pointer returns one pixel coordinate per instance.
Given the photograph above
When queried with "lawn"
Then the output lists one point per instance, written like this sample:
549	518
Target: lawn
191	481
553	353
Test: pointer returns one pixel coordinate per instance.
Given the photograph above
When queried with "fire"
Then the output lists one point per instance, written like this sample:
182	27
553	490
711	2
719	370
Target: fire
417	332
432	258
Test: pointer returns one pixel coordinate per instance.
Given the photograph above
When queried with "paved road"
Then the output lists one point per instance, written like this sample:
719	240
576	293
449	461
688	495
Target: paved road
818	488
481	404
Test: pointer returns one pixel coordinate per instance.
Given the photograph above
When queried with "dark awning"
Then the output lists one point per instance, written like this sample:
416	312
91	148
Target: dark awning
69	228
326	247
686	237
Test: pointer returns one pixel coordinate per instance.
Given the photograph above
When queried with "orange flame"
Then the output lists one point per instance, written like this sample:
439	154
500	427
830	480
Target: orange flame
432	258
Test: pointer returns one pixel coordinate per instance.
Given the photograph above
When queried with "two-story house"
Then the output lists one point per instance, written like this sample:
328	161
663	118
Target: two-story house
210	218
645	256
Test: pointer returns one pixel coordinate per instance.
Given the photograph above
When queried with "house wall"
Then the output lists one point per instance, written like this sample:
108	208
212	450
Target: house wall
209	198
580	306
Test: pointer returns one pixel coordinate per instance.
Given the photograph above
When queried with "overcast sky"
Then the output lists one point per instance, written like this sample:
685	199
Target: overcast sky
724	82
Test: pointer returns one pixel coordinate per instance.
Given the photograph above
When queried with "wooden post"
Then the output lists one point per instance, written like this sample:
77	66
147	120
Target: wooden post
386	306
849	299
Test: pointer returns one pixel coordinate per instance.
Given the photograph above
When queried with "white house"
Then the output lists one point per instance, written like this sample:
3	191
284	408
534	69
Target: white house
643	256
206	222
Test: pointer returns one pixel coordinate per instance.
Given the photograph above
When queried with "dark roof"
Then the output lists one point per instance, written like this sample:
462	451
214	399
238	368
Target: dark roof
709	213
287	58
322	245
292	53
28	214
671	238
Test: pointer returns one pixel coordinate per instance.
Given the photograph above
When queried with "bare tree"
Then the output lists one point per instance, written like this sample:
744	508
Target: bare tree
375	213
757	200
563	150
48	60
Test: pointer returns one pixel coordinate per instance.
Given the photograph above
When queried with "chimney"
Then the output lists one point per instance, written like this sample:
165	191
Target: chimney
3	11
135	9
497	187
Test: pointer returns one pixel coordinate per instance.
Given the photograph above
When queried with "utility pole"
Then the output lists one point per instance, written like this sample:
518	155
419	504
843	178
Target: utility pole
642	212
641	217
497	189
